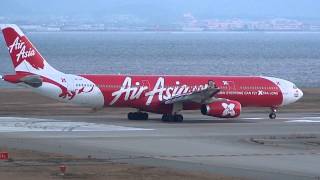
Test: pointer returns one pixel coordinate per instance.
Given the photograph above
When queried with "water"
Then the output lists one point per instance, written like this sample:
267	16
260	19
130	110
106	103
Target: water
292	56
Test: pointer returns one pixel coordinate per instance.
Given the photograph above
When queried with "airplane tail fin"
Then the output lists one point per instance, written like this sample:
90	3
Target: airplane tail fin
25	57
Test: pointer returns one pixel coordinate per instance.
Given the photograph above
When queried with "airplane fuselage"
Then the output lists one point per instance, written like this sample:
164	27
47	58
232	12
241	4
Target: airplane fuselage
148	93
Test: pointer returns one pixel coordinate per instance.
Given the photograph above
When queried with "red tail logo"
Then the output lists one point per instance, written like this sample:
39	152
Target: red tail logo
21	49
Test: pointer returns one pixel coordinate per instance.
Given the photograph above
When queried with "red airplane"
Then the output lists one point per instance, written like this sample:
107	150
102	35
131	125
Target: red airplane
217	96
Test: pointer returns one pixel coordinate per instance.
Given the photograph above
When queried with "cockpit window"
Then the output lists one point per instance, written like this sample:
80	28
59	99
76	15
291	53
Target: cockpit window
294	86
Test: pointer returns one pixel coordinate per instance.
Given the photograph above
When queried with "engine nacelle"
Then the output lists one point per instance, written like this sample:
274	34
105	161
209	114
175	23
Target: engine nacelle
223	109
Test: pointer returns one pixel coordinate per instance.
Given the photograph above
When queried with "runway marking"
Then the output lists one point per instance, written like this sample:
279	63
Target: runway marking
17	124
288	118
311	117
303	121
252	118
314	119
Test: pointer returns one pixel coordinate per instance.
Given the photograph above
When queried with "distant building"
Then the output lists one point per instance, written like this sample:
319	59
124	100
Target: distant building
315	27
286	25
39	28
225	25
83	27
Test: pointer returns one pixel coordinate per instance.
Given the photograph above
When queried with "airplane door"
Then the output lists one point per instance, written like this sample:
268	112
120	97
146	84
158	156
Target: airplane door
64	82
230	85
212	84
68	83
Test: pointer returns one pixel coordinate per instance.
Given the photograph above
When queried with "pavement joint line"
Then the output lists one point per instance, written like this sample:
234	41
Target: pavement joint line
109	160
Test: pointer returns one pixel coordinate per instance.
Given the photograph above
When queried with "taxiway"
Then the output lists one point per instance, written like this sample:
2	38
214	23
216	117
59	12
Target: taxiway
249	147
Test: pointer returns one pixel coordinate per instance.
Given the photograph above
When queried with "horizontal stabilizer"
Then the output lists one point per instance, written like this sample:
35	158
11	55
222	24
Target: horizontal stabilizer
32	80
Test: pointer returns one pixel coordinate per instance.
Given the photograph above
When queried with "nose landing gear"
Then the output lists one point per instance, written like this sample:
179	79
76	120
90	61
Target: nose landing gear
273	114
138	116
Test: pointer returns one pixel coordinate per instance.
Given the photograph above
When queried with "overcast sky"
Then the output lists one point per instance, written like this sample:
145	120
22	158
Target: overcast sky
155	10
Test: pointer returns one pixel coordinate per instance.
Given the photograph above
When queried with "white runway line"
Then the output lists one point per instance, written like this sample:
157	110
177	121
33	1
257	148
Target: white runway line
303	121
314	119
252	118
17	124
311	117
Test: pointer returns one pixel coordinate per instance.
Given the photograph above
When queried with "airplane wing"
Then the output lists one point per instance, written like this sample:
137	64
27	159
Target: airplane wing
204	96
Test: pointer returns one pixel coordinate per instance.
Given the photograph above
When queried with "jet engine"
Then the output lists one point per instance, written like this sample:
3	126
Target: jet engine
222	109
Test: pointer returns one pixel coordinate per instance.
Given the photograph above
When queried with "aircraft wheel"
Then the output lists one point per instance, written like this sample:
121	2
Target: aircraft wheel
272	115
130	116
172	118
165	118
138	116
178	118
144	116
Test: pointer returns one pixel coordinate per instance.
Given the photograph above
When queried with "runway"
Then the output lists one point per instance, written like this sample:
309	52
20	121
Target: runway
249	147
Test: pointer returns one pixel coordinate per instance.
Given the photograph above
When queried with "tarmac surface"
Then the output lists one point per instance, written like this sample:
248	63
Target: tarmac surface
250	147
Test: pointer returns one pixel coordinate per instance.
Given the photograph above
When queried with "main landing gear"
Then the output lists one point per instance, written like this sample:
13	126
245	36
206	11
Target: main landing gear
138	116
172	118
273	115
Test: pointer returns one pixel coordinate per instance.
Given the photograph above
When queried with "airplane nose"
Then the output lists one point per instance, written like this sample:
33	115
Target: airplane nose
300	93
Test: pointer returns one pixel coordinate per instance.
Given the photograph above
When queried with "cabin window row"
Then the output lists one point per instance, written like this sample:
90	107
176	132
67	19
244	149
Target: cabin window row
258	87
84	85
